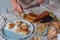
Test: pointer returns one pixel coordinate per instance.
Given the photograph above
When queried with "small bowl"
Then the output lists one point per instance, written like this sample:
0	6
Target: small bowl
45	32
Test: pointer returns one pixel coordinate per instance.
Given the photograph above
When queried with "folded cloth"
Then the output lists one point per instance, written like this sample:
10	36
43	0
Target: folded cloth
1	38
2	22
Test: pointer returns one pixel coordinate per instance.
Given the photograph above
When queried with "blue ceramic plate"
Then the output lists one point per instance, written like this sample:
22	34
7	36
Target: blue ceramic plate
14	36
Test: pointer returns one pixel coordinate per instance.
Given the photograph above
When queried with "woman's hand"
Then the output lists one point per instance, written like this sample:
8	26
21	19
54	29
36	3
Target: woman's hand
16	6
40	1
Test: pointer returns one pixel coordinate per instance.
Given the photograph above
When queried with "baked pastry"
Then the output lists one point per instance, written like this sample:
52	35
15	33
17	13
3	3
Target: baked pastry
24	26
56	24
18	23
11	25
30	17
36	38
52	33
18	30
24	29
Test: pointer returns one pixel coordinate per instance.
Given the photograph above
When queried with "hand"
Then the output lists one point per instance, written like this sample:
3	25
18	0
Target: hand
17	7
40	1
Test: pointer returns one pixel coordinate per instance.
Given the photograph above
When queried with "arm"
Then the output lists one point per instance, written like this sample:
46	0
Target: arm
16	6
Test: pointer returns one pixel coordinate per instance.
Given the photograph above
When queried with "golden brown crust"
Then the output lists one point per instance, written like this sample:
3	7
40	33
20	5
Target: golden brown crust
56	24
36	38
31	16
23	29
24	26
11	25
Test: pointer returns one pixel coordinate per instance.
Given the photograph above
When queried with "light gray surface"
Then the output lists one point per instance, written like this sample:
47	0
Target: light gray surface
10	15
5	4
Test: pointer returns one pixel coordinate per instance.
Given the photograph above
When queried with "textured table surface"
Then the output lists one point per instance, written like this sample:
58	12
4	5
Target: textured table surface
12	14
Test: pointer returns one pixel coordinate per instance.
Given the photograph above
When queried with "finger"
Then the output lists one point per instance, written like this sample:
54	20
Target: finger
15	8
19	8
19	13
